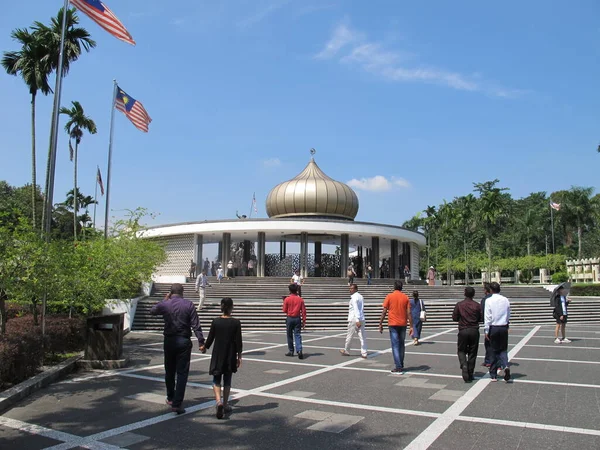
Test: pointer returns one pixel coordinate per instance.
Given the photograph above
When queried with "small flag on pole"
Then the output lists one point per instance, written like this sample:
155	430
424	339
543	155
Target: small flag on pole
99	181
254	203
133	109
555	206
99	13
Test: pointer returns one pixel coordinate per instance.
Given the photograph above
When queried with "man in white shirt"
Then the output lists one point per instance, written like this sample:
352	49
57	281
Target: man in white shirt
298	280
251	268
356	322
497	319
201	283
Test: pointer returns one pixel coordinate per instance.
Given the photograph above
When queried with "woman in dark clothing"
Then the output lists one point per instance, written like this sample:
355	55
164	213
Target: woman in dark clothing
226	333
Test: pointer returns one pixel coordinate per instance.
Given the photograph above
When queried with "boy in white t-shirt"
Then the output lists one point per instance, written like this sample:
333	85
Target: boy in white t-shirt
298	280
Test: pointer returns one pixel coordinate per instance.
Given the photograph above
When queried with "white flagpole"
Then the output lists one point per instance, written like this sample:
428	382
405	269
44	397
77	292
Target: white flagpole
110	144
552	223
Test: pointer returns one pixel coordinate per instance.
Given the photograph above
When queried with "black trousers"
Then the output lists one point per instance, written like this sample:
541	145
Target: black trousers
488	352
178	351
499	347
468	343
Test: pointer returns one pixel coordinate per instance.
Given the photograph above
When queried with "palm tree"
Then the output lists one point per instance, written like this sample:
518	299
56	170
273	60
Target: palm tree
578	205
76	40
31	64
491	207
78	123
466	205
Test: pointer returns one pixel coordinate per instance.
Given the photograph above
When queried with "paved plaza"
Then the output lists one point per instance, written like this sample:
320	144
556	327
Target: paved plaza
328	400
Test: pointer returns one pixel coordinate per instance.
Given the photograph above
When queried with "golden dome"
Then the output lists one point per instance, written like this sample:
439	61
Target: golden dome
312	193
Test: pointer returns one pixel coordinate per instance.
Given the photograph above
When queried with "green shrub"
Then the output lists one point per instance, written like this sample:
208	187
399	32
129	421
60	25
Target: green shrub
560	277
585	289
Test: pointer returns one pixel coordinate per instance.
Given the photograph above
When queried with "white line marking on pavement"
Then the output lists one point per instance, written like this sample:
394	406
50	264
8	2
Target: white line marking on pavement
38	430
558	360
441	424
535	426
563	346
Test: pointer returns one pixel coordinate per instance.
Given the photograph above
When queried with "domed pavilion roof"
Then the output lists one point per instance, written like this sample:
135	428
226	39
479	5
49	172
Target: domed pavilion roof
312	193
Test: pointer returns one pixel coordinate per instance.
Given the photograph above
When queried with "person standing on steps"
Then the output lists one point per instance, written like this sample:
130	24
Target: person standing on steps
298	280
295	312
397	306
180	318
497	320
351	274
369	274
201	283
230	270
487	291
192	269
468	315
417	312
226	358
431	276
356	322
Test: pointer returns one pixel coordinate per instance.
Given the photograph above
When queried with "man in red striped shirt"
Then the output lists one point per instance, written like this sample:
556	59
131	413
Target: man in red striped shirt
295	311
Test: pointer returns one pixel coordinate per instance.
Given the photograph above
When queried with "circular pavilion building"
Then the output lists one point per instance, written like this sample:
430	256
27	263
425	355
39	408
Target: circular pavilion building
311	210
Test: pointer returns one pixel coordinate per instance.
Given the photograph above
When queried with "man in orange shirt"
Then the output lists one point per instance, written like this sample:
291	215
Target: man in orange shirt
295	311
397	305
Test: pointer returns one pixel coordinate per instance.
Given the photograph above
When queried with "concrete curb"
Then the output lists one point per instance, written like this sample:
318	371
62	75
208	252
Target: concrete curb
17	393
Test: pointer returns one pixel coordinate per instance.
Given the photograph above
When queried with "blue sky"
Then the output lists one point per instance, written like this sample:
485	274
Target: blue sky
412	101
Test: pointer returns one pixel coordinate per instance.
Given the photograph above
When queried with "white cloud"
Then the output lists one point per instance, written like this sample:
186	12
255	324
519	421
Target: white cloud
271	162
342	36
378	183
392	65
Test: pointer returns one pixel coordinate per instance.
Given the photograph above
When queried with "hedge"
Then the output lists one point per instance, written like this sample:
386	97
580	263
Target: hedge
585	289
22	349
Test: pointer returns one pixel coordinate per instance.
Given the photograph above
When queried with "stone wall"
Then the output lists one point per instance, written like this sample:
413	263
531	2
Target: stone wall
584	270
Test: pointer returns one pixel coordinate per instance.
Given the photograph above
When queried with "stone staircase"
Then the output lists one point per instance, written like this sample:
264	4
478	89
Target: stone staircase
258	303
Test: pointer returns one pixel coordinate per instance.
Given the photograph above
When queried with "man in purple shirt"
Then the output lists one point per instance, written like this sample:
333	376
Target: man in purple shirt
468	315
180	318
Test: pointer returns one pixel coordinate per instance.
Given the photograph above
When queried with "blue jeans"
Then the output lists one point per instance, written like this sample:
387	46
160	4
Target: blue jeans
293	326
369	276
397	336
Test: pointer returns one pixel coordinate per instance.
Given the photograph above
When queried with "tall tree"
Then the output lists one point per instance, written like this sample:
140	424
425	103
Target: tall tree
31	63
578	207
78	123
465	224
77	39
491	207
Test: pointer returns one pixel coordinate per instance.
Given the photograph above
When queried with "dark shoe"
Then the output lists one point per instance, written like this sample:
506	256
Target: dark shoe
465	374
169	402
220	410
507	374
471	377
178	410
300	355
397	371
289	354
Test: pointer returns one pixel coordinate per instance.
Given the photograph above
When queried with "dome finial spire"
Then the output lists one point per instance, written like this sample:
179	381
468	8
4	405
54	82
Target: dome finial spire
312	153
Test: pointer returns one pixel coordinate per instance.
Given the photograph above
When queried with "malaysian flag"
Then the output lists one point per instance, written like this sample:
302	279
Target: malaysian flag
254	203
555	206
99	181
133	109
99	13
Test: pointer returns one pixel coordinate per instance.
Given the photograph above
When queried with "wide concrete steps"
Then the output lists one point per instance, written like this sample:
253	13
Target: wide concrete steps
335	289
320	315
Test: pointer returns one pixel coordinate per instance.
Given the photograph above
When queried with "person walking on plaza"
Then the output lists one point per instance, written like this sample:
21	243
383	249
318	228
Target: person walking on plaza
397	306
180	318
295	312
431	276
356	322
497	320
417	312
468	315
226	358
487	291
560	314
201	283
298	280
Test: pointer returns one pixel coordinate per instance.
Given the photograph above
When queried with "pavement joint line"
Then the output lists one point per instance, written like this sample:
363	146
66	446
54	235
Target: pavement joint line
558	360
583	338
563	346
530	425
442	423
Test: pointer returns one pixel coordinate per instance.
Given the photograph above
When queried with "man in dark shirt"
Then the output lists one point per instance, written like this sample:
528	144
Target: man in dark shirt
468	315
487	290
180	318
295	311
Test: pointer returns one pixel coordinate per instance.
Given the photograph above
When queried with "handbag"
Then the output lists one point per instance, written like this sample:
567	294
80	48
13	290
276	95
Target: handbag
423	314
